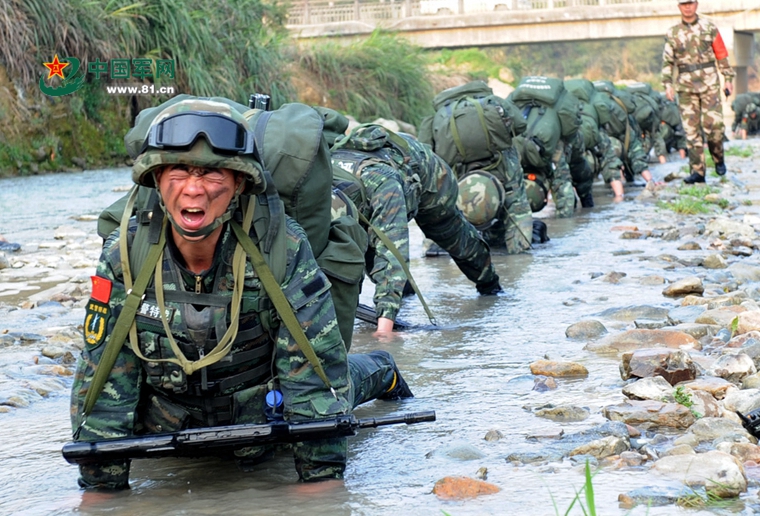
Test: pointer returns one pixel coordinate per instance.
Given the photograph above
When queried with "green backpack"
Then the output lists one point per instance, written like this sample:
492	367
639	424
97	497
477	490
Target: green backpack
647	112
550	92
584	91
470	124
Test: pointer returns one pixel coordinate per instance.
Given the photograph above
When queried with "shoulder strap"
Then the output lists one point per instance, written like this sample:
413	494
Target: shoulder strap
280	302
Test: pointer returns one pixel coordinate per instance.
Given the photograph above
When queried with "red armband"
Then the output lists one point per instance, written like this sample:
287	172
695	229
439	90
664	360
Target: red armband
719	48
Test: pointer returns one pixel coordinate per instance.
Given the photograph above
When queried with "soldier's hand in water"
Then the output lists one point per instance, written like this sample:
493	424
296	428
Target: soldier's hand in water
384	328
322	487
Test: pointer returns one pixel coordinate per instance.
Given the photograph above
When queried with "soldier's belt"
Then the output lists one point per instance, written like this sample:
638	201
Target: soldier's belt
695	67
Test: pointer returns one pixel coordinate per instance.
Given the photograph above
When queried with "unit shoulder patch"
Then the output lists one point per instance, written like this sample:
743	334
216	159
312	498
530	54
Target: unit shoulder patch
96	322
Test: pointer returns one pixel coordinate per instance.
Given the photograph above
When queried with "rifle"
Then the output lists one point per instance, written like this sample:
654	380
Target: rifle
369	315
751	422
200	442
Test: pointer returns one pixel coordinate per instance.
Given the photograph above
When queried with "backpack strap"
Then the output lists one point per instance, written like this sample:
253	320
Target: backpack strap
627	142
280	302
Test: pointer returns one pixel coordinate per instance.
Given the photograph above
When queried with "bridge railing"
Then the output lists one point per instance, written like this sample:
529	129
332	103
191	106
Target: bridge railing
374	12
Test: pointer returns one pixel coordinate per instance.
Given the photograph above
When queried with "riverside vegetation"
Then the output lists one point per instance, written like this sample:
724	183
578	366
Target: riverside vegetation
231	50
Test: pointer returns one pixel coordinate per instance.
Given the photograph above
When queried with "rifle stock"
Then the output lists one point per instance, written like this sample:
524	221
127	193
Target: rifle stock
200	442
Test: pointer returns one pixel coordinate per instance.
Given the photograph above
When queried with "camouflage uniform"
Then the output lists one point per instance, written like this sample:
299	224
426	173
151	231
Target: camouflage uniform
155	395
400	188
557	177
634	159
687	47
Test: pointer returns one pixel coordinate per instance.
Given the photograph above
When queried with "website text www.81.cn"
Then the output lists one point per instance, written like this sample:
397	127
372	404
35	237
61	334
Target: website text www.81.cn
140	89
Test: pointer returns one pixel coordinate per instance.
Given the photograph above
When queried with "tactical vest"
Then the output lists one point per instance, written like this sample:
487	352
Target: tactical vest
196	321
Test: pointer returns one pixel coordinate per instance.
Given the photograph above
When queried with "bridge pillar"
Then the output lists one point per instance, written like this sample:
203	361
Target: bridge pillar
740	46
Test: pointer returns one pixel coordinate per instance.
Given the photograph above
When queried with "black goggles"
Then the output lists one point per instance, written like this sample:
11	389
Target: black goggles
180	131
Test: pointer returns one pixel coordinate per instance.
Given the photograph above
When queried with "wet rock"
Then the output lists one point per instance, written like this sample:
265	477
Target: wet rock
601	448
719	473
744	272
68	233
551	434
704	404
748	321
46	385
741	251
652	279
482	473
683	287
751	382
673	365
734	368
717	317
727	227
694	329
716	387
564	414
52	352
657	496
685	314
743	401
632	459
26	338
727	300
558	369
631	235
613	277
544	383
690	246
742	451
460	451
681	449
585	330
493	435
649	414
630	313
460	488
654	388
51	370
642	339
650	324
624	228
714	261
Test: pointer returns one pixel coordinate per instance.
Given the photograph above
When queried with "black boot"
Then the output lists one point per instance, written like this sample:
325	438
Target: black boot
694	178
720	168
398	389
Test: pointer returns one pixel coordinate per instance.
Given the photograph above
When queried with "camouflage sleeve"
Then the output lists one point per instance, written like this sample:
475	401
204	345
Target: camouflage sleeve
668	61
305	394
610	163
658	140
113	415
388	214
637	156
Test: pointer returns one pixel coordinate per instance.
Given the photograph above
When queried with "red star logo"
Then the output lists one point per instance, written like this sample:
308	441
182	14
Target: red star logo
56	68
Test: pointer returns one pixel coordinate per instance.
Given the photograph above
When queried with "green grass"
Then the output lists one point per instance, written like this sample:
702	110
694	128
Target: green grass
586	494
381	76
685	206
697	190
742	152
684	398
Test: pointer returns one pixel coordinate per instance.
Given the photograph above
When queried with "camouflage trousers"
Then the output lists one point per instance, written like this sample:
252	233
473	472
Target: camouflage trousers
514	228
702	116
442	222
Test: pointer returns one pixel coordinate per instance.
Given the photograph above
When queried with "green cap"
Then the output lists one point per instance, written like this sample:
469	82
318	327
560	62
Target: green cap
481	196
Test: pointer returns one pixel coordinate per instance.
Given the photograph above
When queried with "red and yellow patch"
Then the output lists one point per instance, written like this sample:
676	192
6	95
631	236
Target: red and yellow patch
95	322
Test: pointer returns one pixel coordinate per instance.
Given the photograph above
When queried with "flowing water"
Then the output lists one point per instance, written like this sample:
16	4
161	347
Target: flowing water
472	370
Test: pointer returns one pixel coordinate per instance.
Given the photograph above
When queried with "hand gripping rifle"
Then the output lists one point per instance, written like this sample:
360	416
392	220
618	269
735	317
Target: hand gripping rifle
200	442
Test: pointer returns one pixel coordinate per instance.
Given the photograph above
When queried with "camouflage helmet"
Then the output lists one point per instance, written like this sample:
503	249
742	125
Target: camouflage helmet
751	108
335	124
481	196
197	151
536	191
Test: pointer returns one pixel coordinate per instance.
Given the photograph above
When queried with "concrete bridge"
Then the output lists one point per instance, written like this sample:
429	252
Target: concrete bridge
480	23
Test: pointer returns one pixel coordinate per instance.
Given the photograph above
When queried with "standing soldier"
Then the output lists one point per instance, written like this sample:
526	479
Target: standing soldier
693	47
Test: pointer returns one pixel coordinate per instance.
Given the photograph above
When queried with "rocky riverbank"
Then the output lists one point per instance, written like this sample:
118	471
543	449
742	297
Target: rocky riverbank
688	359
